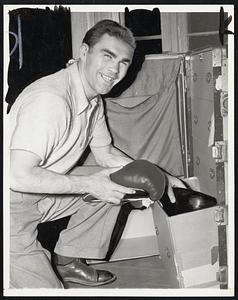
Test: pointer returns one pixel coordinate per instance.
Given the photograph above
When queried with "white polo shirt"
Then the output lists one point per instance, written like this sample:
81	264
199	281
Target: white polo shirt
53	119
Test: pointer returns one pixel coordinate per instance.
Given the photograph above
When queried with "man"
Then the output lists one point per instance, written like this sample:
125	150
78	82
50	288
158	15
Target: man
53	120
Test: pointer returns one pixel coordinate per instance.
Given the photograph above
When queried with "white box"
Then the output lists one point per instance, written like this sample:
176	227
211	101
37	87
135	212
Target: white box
188	245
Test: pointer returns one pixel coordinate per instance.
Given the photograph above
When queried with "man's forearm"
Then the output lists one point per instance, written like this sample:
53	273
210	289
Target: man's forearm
44	181
110	157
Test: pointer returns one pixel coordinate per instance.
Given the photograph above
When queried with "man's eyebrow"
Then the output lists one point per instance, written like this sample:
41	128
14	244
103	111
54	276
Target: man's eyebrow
114	55
109	52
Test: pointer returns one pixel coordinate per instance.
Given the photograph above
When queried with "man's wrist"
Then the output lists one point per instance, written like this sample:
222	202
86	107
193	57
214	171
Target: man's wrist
78	184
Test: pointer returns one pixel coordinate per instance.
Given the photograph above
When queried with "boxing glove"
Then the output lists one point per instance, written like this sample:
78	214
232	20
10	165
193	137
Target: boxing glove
142	175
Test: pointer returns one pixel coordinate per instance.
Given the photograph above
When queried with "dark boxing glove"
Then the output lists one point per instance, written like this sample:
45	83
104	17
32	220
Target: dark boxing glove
143	175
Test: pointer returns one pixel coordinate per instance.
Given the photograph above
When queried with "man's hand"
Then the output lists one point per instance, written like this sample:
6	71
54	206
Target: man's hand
173	182
102	188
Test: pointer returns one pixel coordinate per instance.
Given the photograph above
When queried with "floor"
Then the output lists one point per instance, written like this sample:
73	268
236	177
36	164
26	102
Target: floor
147	272
135	273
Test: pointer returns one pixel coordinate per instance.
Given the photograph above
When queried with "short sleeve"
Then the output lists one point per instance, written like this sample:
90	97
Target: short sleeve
39	124
100	135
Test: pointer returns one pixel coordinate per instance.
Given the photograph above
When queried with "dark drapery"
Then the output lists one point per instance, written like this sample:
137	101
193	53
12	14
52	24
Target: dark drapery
40	44
145	23
143	121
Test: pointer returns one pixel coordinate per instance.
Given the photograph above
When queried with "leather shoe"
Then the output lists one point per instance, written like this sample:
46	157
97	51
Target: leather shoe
76	270
187	200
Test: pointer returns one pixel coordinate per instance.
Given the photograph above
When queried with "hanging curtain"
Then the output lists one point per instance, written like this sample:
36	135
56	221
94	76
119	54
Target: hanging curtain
145	25
40	44
143	121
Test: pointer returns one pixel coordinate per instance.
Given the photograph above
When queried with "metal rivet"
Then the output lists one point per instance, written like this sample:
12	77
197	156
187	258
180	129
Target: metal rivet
195	119
208	77
211	173
201	57
168	253
195	77
156	230
209	125
197	160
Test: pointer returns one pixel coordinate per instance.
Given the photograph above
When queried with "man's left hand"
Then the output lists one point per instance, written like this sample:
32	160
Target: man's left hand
173	182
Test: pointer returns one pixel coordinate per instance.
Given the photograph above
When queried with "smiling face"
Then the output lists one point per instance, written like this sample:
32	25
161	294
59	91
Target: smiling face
104	64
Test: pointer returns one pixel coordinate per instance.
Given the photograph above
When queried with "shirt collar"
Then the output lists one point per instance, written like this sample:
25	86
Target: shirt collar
76	90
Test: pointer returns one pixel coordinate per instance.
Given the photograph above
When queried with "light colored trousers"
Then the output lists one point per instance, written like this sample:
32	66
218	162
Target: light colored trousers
87	235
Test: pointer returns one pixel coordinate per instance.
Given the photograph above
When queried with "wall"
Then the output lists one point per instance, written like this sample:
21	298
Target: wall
82	21
173	27
174	30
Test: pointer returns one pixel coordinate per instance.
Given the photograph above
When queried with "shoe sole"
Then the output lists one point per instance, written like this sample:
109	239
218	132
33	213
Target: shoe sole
67	281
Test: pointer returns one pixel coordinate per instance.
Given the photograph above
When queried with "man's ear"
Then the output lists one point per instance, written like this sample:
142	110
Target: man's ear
83	50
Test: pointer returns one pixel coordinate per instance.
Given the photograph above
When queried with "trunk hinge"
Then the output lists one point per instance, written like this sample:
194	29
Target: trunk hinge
221	215
219	151
222	275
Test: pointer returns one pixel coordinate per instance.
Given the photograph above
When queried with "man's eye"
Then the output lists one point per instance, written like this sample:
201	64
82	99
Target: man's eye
125	63
108	56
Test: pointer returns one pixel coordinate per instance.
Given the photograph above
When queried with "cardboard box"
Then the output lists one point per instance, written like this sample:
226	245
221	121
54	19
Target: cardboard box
188	245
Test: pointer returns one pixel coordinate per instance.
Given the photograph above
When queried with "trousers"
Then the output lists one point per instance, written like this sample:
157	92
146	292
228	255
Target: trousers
87	235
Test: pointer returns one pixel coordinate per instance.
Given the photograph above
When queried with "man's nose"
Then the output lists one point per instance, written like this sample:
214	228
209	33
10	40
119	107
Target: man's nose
114	67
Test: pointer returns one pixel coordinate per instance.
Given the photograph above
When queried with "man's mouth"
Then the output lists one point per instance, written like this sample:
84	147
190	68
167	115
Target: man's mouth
107	79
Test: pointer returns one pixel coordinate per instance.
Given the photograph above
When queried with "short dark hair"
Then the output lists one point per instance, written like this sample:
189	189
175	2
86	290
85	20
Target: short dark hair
111	28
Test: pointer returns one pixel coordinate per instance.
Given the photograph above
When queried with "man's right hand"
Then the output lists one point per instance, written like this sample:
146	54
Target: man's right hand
103	188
